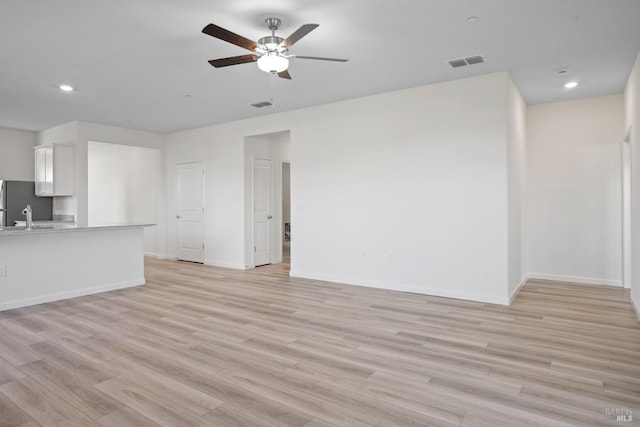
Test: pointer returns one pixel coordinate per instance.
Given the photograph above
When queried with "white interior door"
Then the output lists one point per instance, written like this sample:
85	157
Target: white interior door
190	212
262	214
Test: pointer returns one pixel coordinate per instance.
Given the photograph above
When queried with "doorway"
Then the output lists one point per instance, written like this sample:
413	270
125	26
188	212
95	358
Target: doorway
190	212
123	186
286	211
264	226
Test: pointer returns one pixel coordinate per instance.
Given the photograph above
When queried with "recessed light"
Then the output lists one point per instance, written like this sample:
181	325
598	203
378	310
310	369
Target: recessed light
472	19
563	72
66	88
571	85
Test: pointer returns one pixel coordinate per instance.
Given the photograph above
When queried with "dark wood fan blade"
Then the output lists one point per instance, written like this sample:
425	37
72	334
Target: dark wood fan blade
299	33
234	60
284	75
228	36
318	58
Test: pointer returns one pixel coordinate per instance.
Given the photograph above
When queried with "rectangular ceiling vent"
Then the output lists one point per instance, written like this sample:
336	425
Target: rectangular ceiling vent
458	63
262	104
463	62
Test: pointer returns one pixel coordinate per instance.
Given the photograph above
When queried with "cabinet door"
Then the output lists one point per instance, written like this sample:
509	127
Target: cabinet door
63	170
48	171
40	171
54	170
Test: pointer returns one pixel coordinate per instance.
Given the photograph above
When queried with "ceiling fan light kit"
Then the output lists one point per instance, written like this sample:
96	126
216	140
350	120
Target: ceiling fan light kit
270	52
271	62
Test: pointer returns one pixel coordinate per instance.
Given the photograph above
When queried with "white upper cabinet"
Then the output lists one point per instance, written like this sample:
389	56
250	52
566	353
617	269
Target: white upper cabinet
55	166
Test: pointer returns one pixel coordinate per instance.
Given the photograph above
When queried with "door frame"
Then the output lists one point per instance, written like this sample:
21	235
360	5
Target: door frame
265	146
626	210
204	205
280	181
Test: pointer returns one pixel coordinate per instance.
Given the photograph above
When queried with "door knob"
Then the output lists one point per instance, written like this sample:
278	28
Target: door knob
178	216
269	217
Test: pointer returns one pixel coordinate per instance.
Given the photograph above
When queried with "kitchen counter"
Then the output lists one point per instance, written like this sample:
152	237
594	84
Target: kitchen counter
56	261
58	227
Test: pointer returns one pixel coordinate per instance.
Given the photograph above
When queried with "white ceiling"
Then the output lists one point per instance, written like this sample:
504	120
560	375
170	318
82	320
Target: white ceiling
142	64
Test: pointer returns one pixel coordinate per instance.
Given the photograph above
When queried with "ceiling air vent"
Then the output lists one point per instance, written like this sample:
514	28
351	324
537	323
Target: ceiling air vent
457	63
470	60
262	104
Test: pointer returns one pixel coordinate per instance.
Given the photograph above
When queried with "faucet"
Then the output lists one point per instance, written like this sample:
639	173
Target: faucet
27	212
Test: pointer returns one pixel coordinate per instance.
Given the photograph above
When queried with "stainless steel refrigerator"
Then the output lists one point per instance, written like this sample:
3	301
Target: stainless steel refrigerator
15	196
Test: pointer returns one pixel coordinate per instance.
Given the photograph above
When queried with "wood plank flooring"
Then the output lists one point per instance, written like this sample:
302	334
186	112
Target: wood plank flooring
203	346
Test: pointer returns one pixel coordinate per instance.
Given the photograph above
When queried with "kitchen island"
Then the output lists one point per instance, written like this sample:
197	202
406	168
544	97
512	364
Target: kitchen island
59	261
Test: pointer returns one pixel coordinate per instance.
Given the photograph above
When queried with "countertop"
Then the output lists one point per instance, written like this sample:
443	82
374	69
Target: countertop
61	227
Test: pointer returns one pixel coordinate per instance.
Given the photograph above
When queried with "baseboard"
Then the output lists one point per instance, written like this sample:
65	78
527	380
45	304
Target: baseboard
402	288
156	256
225	265
70	294
575	279
518	289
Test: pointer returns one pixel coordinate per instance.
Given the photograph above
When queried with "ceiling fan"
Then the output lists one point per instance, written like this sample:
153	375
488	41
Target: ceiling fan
270	52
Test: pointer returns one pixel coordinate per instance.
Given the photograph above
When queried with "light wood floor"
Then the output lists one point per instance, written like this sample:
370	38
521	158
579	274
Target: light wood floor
213	347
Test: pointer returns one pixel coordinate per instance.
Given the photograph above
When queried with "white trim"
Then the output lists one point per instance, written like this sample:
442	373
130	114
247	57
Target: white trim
626	211
69	294
515	293
403	288
627	136
226	265
575	279
155	255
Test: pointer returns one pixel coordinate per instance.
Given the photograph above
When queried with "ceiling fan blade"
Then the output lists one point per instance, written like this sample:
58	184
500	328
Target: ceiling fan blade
228	36
284	75
318	58
234	60
299	33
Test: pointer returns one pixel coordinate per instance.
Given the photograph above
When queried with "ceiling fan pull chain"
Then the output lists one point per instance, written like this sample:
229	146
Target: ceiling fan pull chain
273	82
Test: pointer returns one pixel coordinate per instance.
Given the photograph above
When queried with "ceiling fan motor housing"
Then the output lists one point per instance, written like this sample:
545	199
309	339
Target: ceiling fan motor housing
271	42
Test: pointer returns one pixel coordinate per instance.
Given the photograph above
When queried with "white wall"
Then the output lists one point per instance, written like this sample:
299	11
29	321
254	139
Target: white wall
223	156
16	155
516	166
632	121
574	189
405	190
122	186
